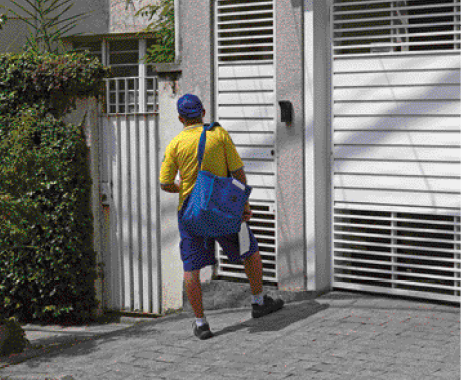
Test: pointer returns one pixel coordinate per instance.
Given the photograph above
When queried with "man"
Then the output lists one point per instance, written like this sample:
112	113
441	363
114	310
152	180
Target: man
198	252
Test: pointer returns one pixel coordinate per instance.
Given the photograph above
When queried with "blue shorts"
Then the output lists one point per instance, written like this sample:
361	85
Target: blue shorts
198	252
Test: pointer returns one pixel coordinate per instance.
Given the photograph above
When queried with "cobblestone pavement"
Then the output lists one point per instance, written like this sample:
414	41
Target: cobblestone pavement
341	335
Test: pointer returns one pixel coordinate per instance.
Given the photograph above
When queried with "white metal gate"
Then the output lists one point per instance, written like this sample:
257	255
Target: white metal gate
396	121
245	105
129	181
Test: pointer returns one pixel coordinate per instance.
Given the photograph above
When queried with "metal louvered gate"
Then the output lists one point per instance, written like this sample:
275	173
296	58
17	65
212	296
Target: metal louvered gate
129	182
245	105
396	147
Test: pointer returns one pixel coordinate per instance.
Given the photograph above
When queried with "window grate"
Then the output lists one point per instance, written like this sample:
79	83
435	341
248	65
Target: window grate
245	31
131	95
397	27
263	226
398	253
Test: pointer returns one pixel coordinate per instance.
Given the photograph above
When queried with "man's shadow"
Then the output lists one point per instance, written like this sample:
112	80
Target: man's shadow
291	313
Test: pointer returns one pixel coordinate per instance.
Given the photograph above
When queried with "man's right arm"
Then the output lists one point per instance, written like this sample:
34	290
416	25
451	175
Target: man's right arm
239	175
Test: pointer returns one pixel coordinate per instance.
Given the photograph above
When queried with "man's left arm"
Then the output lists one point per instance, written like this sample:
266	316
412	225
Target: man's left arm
170	188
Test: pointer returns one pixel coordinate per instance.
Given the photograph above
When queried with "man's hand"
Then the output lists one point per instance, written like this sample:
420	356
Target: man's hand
246	213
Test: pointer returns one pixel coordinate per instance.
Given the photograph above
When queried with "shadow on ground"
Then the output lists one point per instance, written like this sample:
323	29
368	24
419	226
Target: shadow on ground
290	314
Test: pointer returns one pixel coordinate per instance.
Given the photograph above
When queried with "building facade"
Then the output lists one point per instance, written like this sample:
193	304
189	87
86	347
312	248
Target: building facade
346	114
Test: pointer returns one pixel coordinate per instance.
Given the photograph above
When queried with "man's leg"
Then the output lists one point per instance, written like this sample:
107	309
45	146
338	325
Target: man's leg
194	291
254	271
262	305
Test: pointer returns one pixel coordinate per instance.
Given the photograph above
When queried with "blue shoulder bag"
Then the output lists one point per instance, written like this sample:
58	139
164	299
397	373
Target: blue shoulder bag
215	206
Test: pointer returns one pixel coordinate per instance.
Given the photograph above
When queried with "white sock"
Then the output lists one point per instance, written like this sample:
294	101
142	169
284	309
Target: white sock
258	299
200	321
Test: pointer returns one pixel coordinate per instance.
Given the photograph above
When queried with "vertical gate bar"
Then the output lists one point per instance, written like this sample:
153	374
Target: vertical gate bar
111	267
119	291
145	206
126	214
106	154
156	236
156	269
136	210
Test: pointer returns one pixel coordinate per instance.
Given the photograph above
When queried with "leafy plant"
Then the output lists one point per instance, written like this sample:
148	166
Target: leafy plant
15	340
48	81
46	249
47	25
162	27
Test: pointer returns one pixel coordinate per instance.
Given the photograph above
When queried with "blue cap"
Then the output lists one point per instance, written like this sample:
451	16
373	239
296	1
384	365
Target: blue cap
190	106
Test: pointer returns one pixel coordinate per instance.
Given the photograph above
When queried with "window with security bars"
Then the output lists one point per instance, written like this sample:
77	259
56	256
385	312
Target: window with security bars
376	26
124	57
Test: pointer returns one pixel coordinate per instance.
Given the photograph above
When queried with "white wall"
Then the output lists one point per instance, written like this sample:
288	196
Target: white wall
317	153
172	270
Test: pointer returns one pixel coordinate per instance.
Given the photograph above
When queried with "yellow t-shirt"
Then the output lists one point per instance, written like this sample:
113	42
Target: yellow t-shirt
181	154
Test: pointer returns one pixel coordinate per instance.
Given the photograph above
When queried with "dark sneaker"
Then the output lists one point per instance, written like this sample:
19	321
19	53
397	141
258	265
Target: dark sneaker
270	305
202	332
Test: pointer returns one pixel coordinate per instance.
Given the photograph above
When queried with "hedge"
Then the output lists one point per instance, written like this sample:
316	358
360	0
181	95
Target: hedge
47	258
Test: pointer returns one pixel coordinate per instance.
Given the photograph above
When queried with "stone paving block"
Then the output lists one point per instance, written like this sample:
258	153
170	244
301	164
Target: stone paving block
239	373
153	365
397	375
181	375
325	376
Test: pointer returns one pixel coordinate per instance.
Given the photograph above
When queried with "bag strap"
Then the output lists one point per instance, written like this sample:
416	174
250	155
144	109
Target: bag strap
202	142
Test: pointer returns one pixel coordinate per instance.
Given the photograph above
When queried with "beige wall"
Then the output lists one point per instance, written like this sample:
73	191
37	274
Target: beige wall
15	32
101	16
290	147
122	18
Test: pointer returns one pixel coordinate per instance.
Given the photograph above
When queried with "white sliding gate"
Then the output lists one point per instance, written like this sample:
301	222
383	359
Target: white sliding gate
396	122
246	108
129	181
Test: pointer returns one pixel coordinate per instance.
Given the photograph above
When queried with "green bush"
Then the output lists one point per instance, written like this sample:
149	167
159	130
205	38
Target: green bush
48	80
16	340
48	263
